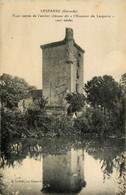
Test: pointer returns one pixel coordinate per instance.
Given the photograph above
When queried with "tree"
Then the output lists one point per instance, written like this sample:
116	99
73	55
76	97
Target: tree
123	82
103	91
76	102
123	108
13	89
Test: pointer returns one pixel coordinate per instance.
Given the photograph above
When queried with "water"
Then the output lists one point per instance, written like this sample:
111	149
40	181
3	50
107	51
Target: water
89	166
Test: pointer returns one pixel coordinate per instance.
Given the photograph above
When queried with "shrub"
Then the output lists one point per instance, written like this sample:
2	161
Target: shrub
97	121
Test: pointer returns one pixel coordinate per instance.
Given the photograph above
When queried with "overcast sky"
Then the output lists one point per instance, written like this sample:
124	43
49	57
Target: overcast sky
103	39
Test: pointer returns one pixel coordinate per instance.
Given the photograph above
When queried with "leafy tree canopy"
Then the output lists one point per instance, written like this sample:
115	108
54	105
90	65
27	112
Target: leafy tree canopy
13	89
123	82
76	102
103	91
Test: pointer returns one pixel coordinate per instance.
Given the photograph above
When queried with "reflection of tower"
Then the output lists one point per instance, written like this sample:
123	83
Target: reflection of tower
64	172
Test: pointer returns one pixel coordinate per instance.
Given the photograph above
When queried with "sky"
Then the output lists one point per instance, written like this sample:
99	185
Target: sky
103	39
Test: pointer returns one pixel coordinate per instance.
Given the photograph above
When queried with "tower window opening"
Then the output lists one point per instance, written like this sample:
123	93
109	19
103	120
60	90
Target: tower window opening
78	64
77	86
77	74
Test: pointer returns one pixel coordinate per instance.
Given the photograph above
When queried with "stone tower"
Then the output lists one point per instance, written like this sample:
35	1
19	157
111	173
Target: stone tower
62	69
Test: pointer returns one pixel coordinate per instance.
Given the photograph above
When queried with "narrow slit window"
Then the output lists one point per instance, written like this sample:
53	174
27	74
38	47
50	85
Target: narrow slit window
77	74
77	86
78	63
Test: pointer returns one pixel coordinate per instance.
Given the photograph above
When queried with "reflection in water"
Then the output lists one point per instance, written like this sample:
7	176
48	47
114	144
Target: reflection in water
64	172
61	165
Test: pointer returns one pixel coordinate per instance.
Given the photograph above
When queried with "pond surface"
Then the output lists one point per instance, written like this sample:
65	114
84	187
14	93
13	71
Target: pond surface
89	166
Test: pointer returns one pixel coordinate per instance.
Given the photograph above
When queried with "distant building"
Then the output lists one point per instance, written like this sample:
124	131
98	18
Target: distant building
62	69
34	99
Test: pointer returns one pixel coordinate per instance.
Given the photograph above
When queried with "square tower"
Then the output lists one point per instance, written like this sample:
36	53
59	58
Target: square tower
62	69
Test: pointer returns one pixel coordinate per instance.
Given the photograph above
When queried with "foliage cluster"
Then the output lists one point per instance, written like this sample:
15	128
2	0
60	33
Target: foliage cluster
13	89
96	121
34	123
76	102
104	92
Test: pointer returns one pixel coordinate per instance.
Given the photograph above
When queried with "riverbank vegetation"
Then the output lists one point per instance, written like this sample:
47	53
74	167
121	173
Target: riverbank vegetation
102	109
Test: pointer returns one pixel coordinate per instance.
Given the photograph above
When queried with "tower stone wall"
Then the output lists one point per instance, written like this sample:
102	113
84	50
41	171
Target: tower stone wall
62	69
